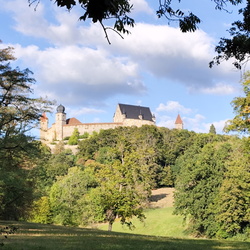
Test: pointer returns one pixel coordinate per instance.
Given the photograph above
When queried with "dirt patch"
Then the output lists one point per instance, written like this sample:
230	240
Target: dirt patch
162	197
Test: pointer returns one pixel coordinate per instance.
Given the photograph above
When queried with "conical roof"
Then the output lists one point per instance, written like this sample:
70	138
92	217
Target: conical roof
44	117
178	120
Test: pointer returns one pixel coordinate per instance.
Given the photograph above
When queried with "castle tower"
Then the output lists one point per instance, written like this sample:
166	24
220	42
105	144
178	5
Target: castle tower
43	126
179	122
60	122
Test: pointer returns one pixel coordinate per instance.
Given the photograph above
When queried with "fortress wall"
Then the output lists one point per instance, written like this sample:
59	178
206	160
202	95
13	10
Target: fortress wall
51	133
88	127
137	122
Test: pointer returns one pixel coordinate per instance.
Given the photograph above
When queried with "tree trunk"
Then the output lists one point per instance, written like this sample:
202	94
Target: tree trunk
110	226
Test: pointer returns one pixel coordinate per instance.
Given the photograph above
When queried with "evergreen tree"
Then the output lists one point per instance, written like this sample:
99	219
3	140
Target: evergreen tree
212	129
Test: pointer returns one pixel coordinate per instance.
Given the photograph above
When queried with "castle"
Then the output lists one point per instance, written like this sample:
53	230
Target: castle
125	115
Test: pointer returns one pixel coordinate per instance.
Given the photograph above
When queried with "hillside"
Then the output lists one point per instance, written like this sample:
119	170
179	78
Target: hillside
162	197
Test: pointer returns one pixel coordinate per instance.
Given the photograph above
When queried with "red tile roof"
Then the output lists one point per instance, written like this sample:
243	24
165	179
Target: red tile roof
44	117
178	120
72	122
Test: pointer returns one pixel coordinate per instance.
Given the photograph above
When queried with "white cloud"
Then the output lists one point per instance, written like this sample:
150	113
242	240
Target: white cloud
141	6
179	57
81	75
195	123
165	121
220	88
83	111
161	50
173	106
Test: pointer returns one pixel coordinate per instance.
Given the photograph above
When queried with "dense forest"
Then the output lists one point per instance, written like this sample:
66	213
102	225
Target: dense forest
114	171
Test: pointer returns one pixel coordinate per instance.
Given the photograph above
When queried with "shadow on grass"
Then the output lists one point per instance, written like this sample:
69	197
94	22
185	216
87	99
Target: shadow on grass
31	236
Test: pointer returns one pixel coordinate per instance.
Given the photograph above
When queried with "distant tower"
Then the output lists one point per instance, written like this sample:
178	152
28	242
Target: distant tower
43	126
60	122
179	122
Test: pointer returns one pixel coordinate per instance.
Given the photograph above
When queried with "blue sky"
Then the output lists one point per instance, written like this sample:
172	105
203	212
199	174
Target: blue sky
155	66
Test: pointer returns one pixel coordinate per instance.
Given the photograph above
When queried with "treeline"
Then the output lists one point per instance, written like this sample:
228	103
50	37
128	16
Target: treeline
115	170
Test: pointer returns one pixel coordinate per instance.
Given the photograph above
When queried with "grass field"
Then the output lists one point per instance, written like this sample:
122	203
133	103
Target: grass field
31	236
158	222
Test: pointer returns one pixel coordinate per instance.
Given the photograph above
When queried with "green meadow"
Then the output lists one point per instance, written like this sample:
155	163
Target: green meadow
158	222
161	230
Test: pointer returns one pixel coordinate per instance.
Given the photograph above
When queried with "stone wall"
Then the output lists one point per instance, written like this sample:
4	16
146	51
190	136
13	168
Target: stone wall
137	122
88	127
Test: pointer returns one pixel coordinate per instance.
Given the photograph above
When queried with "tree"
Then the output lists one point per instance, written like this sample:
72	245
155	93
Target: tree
73	139
127	158
18	152
238	46
241	106
233	213
198	184
212	129
117	195
18	111
66	194
58	164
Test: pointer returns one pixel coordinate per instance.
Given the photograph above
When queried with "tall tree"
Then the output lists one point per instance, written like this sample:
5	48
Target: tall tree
66	194
18	114
118	194
233	210
198	183
18	111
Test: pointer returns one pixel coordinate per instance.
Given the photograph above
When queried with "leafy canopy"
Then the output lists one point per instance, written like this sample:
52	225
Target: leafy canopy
19	112
241	106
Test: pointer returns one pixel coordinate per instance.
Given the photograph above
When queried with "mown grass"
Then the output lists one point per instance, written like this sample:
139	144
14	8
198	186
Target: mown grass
158	222
32	236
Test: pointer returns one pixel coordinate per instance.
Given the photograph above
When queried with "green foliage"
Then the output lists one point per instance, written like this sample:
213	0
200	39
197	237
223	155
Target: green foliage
15	194
58	164
18	111
237	46
212	189
73	139
233	200
84	136
166	178
212	129
66	195
122	189
41	211
241	106
18	152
